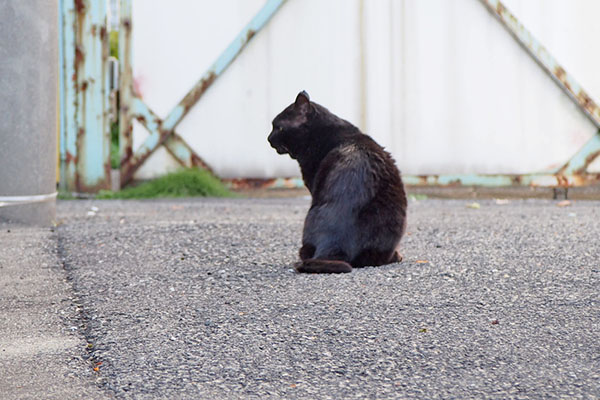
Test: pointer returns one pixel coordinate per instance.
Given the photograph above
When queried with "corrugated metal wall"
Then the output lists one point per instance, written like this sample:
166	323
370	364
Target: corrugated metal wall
440	83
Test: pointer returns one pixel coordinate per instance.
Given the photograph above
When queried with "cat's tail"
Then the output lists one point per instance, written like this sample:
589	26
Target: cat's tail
317	266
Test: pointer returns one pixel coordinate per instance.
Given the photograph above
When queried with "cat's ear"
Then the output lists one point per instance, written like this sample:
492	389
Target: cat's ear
302	101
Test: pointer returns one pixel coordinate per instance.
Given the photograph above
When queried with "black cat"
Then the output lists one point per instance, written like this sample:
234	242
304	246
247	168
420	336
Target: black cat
358	210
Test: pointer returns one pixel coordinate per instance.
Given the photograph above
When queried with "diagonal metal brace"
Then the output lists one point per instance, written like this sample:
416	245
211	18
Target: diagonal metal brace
548	63
579	163
164	128
174	144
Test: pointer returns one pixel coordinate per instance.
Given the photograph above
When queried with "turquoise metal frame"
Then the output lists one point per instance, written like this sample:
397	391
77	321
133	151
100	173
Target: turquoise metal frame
572	173
84	130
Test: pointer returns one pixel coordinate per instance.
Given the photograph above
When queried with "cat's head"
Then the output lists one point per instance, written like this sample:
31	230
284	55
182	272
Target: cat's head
290	134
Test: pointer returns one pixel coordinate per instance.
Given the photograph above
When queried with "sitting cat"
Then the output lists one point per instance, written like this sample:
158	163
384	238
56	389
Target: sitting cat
358	210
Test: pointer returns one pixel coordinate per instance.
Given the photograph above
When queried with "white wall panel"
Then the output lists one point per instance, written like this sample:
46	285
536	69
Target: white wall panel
440	83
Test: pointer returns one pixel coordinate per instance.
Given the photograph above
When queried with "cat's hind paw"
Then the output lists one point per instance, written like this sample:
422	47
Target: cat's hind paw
318	266
396	258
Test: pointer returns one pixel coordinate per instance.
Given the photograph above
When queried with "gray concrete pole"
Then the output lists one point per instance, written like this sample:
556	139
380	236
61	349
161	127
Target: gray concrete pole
28	105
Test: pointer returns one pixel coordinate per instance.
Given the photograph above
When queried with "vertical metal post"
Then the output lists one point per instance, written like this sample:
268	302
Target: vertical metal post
362	79
85	139
61	93
93	127
126	95
68	109
28	99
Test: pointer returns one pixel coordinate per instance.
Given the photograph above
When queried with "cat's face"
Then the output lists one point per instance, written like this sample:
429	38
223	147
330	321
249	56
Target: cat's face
290	130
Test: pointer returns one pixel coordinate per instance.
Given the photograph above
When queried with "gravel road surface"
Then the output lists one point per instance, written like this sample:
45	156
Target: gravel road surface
197	299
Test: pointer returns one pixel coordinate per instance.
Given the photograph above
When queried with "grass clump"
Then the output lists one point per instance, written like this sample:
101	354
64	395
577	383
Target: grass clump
190	182
417	196
63	195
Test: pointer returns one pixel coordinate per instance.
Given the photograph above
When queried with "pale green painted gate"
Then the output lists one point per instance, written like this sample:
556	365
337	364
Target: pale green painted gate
86	112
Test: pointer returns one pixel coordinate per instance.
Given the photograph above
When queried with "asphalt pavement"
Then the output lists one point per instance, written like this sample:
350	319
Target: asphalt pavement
197	299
